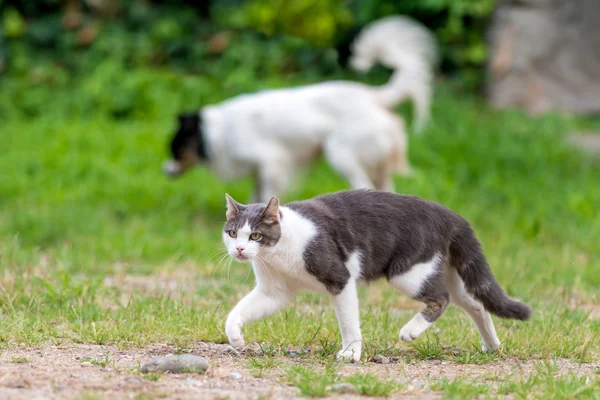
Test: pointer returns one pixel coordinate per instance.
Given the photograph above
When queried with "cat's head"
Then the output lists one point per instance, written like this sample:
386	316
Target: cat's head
187	146
251	230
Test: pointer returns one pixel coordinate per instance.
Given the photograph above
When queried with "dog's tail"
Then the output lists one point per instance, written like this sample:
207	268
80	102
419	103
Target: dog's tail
410	82
410	49
473	269
399	150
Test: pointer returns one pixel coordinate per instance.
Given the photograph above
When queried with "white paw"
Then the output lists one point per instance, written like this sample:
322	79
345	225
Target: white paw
486	347
233	329
348	355
408	335
237	341
414	328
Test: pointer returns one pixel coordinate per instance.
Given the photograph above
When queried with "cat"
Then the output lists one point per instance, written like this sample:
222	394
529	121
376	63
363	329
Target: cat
332	242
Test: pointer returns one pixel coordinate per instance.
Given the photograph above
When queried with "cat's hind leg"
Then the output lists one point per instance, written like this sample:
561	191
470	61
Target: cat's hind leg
475	309
423	282
434	308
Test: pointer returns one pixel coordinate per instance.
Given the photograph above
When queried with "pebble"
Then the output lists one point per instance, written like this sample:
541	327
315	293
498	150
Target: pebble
176	364
235	376
343	388
379	359
87	364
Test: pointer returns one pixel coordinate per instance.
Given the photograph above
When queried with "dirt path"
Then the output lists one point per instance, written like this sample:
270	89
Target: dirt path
94	371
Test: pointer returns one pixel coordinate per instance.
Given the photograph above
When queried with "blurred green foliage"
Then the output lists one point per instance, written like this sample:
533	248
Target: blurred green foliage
116	51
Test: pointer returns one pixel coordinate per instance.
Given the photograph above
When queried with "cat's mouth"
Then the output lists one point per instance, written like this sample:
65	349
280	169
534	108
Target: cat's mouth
242	258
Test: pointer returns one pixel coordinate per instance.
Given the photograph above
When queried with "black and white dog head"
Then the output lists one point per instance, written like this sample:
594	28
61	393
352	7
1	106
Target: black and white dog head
188	146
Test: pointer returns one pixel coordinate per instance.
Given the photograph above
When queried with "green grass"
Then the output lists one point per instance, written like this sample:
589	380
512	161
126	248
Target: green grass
460	389
546	383
261	366
370	385
312	382
98	362
83	202
19	360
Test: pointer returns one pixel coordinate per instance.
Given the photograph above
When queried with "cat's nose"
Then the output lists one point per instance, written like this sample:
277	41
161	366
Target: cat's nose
240	249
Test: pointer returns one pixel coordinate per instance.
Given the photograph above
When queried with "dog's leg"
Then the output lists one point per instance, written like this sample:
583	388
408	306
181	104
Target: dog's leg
345	163
421	97
273	177
382	177
256	195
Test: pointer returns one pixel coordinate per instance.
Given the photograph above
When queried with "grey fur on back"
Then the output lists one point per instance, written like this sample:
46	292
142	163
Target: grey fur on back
392	233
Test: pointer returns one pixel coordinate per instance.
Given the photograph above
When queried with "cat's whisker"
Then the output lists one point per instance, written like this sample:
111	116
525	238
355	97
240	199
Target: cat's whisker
264	264
229	271
219	262
216	254
271	265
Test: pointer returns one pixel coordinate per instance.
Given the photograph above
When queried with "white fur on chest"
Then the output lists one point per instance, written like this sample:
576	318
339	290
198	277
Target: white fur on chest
283	264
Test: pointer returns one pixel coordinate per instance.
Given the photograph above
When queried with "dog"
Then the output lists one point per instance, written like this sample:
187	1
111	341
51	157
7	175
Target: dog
272	133
403	45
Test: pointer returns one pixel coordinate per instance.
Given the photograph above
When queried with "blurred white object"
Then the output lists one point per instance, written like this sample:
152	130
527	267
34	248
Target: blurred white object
407	47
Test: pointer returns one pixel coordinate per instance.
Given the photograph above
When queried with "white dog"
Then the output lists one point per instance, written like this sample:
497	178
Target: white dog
270	134
407	47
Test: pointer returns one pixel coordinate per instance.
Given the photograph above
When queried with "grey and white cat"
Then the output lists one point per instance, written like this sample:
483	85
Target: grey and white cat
332	242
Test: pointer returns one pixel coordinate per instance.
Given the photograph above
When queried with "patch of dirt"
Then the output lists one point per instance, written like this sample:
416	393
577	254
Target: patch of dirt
75	370
68	371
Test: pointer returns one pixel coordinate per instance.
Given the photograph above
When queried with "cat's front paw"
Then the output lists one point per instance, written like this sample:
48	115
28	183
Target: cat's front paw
349	355
234	332
490	347
237	341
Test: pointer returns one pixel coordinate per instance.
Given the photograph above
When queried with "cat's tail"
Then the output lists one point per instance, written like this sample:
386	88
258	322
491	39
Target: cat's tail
472	267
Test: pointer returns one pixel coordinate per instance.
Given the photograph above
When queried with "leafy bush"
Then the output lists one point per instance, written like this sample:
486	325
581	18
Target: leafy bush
118	53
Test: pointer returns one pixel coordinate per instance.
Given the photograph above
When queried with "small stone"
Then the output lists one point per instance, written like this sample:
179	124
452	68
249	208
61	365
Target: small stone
342	387
379	359
235	376
176	364
87	364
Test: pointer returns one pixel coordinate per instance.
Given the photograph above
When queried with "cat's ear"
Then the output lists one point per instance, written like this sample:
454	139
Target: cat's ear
271	213
233	207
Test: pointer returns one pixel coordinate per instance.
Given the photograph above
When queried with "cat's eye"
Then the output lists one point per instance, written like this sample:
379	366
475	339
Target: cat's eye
232	233
255	236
